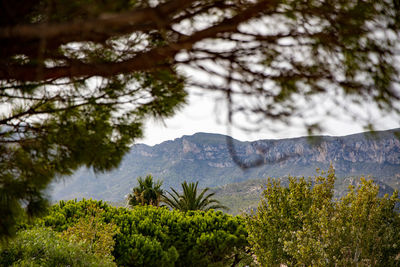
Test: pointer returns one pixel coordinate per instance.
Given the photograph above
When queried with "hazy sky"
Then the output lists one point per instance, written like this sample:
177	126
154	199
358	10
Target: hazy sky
200	116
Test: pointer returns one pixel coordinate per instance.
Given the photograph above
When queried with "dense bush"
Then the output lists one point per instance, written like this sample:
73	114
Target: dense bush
151	236
44	247
93	234
303	225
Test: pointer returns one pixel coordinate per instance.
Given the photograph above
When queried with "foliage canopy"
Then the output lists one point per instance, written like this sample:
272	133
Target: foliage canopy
302	225
154	236
78	78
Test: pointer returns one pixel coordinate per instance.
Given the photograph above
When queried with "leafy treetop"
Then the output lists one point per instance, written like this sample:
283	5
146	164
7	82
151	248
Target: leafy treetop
303	225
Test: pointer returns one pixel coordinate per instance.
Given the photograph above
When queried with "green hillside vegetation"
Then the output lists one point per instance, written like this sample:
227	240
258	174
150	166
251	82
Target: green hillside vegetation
240	197
298	222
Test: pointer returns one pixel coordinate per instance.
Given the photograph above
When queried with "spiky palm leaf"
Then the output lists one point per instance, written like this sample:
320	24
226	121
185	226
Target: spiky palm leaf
147	192
190	200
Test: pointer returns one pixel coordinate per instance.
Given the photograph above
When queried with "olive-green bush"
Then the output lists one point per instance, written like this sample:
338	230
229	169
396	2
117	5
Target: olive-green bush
93	234
303	225
44	247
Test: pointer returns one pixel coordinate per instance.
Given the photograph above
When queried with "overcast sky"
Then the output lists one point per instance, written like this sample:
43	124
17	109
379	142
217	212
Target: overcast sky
200	116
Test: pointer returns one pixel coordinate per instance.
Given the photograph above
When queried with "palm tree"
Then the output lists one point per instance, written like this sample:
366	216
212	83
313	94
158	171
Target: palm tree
147	192
189	200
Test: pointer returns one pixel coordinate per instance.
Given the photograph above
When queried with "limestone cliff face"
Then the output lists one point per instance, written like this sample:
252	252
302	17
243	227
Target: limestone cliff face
340	151
187	147
367	154
352	149
205	158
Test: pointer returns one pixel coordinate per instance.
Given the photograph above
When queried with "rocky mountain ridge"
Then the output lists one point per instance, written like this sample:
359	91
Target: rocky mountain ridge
206	158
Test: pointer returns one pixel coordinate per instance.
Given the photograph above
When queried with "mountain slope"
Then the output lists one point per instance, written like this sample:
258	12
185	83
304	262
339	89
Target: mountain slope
205	158
245	196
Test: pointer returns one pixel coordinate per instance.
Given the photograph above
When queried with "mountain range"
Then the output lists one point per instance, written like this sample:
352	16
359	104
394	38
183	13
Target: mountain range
207	158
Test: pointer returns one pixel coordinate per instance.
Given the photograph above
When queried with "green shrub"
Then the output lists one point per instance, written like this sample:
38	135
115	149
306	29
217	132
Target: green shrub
93	234
44	247
151	236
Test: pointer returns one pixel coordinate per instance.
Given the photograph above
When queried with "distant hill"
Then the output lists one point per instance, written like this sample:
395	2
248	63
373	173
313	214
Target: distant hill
205	158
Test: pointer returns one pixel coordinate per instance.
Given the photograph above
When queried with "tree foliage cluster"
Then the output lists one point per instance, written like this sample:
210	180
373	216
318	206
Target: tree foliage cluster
151	236
189	199
302	225
93	234
147	192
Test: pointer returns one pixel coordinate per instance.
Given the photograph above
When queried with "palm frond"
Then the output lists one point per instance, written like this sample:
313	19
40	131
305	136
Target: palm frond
147	192
190	200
